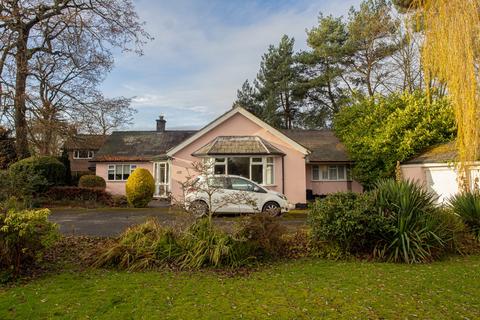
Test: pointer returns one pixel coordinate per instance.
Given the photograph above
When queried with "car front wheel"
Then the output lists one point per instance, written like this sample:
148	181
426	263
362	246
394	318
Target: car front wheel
199	208
272	208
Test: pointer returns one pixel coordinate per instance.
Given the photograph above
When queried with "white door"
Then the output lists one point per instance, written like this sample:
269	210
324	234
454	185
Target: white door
443	182
162	179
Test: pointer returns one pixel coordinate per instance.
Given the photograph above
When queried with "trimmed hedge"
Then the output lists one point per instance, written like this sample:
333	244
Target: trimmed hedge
79	194
48	167
140	187
92	181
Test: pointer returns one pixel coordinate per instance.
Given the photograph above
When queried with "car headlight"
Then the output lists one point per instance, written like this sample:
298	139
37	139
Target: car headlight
283	197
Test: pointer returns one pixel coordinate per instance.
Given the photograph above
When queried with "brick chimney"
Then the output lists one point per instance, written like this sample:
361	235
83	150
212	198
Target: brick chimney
161	124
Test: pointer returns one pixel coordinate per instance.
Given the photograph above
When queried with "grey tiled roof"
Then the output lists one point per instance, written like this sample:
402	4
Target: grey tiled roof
323	144
238	145
84	142
140	145
441	153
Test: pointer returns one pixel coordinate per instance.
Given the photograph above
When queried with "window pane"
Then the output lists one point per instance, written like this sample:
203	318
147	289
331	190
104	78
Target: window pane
257	173
219	160
257	160
126	171
133	167
241	184
217	182
269	175
111	174
341	172
118	172
219	169
315	172
332	173
324	172
161	175
270	160
239	166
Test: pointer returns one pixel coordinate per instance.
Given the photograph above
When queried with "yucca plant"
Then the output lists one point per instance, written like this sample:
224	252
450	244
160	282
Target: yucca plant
417	231
142	247
467	206
206	246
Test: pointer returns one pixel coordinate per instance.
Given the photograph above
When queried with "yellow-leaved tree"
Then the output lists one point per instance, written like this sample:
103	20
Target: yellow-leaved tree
450	54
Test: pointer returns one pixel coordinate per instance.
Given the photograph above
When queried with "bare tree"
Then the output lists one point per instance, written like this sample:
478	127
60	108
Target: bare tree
104	115
211	190
35	27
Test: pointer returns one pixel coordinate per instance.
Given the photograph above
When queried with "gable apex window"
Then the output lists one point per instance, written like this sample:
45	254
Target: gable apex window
337	172
258	169
120	172
83	154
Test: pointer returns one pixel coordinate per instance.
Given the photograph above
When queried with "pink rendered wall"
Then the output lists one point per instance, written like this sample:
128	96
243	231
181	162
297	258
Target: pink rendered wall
414	172
118	187
239	125
327	187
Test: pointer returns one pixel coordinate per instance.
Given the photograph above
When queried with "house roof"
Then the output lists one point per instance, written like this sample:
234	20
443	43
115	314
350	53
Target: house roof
140	145
323	144
227	115
238	145
84	142
440	153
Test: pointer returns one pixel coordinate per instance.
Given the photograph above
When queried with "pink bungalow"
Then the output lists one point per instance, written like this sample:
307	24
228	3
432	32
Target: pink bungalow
299	163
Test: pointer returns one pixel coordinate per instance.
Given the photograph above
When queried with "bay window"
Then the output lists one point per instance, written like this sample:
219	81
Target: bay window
259	169
120	172
339	172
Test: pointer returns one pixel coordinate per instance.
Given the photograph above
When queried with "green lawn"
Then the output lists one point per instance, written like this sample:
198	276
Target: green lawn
294	290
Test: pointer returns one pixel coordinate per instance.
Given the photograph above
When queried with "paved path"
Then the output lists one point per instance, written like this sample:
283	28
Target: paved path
108	222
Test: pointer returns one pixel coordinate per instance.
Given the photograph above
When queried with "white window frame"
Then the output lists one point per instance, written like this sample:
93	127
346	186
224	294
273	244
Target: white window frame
113	166
328	166
76	154
266	162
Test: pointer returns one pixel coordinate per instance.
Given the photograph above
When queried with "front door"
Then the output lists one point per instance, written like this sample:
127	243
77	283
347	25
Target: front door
162	179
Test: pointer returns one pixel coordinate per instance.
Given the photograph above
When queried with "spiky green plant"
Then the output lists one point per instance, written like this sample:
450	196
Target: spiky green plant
205	246
418	233
142	247
467	206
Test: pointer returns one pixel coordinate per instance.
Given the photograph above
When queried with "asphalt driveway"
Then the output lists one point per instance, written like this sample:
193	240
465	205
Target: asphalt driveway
108	222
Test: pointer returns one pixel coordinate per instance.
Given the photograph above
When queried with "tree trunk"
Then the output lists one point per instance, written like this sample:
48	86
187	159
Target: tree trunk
21	60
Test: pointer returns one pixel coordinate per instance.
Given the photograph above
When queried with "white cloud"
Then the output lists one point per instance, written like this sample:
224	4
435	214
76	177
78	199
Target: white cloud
198	60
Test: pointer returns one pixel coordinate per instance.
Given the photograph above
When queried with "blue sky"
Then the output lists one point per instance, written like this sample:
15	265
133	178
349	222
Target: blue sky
202	53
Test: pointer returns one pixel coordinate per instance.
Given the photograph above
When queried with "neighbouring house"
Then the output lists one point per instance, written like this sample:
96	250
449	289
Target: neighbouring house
298	163
435	169
81	148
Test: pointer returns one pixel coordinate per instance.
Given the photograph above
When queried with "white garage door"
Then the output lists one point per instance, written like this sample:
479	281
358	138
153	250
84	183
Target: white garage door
442	181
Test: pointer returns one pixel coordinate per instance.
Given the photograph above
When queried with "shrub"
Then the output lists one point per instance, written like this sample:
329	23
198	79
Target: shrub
92	181
263	233
24	235
149	245
22	185
140	187
467	206
119	201
48	167
205	246
418	232
142	247
78	194
346	221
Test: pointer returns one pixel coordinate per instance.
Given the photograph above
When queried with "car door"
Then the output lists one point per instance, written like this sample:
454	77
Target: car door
246	190
221	195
